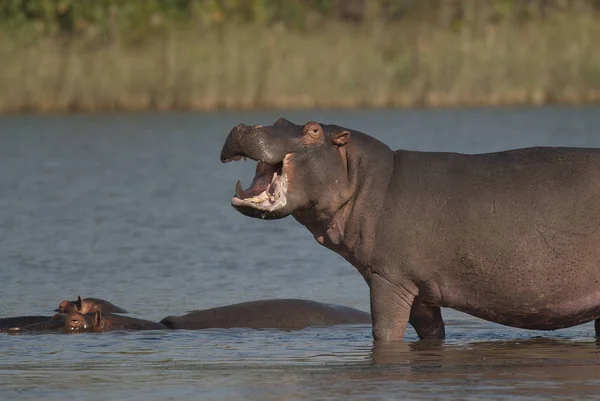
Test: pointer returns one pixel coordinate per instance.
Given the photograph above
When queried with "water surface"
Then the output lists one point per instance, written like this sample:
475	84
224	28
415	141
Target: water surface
134	208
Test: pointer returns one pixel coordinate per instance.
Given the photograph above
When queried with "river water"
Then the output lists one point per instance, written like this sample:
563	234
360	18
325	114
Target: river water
135	209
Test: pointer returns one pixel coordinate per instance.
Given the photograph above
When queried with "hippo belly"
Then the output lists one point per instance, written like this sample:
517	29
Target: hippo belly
536	316
546	289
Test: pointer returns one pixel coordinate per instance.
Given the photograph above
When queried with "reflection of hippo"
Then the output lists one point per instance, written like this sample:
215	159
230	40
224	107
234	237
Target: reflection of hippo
286	314
511	237
88	305
21	321
99	322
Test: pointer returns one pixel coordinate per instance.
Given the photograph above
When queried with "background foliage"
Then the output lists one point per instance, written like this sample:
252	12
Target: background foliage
64	55
146	18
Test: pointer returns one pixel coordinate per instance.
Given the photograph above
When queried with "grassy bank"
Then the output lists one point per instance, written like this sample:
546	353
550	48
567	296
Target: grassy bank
328	65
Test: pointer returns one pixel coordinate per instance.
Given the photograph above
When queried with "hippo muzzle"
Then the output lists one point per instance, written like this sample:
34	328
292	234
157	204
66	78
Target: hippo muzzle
271	147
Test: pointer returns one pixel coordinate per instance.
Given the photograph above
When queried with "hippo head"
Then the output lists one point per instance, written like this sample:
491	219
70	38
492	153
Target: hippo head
301	168
84	323
77	322
77	306
68	306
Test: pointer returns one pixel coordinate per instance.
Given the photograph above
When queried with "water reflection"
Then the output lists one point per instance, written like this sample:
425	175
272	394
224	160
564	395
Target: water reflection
502	353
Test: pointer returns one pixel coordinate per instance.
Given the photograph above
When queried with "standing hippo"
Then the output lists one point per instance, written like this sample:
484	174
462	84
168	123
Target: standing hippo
285	314
511	237
88	305
98	322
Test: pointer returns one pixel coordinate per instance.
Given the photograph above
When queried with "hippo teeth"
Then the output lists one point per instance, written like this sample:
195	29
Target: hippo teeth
271	193
239	192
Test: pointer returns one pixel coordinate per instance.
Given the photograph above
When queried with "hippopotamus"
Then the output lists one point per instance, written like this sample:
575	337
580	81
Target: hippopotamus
55	324
284	314
511	237
20	321
99	322
92	322
88	305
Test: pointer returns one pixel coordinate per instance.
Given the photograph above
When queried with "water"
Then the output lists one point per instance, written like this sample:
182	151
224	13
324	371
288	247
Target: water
135	209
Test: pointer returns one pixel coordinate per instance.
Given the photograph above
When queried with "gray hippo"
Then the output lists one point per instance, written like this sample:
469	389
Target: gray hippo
88	305
510	237
284	314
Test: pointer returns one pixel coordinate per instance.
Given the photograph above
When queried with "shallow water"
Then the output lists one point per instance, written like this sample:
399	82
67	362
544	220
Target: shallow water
135	209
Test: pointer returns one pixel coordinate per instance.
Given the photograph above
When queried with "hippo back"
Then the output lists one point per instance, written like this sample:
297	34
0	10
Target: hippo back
21	321
285	314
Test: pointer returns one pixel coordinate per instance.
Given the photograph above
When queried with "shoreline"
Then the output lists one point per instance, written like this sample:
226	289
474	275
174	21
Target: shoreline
592	100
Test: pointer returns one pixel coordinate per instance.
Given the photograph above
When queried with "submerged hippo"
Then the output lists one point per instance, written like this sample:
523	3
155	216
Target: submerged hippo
55	325
20	321
511	237
93	322
99	322
285	314
88	305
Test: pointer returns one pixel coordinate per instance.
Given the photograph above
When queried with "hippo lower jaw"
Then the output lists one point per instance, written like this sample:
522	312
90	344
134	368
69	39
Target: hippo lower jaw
267	193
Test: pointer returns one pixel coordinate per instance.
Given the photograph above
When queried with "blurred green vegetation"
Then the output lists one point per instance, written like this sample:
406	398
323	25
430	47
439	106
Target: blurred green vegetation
144	19
61	55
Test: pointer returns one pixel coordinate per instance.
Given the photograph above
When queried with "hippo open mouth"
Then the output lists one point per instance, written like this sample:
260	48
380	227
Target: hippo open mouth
268	189
273	148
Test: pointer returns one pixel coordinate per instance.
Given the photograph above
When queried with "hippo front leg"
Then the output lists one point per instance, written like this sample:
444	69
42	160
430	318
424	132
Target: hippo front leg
427	321
390	309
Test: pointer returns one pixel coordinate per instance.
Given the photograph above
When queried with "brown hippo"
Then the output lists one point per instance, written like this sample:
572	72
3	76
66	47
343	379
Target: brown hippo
93	322
54	325
285	314
88	305
511	237
20	321
99	322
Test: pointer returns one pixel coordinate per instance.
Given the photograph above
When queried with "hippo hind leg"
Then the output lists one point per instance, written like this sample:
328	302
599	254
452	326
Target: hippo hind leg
427	321
597	327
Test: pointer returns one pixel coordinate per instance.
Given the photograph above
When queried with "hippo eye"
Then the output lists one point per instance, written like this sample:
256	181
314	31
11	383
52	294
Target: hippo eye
314	132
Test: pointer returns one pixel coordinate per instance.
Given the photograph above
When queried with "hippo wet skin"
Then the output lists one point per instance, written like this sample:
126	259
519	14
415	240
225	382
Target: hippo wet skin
99	322
92	322
511	237
284	314
88	305
55	325
21	321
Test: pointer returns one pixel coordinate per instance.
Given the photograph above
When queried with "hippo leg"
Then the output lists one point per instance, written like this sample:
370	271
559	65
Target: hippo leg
390	309
427	321
597	327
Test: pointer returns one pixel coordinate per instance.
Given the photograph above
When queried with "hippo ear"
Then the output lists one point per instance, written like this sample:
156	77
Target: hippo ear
341	138
97	318
283	121
78	303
